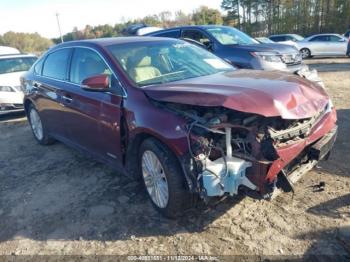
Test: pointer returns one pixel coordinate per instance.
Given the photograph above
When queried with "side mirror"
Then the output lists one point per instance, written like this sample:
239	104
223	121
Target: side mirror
209	45
96	83
342	40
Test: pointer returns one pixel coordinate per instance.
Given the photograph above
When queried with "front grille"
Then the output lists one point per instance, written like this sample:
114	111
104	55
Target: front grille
19	88
9	107
299	128
18	106
291	59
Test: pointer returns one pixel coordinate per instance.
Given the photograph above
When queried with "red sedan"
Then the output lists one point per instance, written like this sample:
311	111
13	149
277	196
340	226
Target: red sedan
181	119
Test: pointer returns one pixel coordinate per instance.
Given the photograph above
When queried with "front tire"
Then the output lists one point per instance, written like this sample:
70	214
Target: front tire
38	128
305	53
163	179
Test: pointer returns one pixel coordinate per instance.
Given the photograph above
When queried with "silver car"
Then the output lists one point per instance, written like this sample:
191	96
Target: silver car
323	45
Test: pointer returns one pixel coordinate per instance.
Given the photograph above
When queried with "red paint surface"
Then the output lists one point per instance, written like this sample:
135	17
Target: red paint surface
264	93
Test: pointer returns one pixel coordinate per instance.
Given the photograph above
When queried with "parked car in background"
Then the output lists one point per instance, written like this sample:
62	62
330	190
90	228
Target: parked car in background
11	68
323	45
269	41
181	119
7	50
264	40
288	39
237	48
139	29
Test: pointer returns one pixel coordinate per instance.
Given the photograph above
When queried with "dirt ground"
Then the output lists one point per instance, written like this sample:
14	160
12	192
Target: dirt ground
53	200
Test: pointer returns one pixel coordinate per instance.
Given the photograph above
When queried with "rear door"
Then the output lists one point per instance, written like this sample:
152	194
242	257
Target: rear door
50	77
338	45
92	118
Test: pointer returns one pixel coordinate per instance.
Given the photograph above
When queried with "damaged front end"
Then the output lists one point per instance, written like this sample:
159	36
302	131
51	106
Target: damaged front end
230	150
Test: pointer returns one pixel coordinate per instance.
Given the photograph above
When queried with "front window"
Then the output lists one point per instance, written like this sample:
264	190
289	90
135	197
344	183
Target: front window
86	63
197	36
321	38
231	36
150	63
18	64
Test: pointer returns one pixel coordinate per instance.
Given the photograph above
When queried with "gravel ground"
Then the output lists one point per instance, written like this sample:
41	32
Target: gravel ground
53	200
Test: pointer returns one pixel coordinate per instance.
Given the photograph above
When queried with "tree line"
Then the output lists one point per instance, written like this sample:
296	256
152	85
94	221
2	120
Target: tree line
255	17
26	42
202	15
304	17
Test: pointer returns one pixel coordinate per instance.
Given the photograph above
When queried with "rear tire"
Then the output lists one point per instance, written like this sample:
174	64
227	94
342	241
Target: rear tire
38	127
305	53
167	174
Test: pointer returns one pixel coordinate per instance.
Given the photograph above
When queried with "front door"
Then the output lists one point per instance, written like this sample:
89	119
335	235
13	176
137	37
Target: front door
90	116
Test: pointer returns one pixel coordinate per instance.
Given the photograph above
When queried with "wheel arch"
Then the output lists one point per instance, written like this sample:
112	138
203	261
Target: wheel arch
307	48
26	104
132	154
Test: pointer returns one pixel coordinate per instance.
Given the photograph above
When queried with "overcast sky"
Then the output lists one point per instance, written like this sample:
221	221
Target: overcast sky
39	15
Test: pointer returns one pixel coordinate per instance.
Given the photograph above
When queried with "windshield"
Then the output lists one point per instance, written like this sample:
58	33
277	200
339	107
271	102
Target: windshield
17	64
231	36
148	63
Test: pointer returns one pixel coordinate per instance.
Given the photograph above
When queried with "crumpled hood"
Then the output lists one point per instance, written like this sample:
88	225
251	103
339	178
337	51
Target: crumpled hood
260	92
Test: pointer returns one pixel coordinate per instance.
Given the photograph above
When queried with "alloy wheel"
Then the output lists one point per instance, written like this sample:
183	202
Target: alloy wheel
305	53
155	179
36	124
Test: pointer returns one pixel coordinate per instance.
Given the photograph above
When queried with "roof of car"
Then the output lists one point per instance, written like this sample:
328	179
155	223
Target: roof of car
113	41
282	35
188	27
325	34
16	56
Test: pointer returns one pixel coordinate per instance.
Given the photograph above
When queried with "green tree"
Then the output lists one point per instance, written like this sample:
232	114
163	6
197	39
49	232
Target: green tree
233	12
207	16
25	42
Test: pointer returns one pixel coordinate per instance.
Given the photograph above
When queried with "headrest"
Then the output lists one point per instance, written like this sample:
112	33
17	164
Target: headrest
145	61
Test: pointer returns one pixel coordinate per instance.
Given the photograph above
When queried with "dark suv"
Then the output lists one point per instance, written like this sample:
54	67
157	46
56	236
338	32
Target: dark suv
238	48
185	122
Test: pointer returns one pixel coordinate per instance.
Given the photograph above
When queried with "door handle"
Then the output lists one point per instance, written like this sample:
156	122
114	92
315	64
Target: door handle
67	99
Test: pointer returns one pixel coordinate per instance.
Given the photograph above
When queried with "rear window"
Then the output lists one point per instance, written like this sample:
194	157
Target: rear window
38	67
170	34
56	64
17	64
334	38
